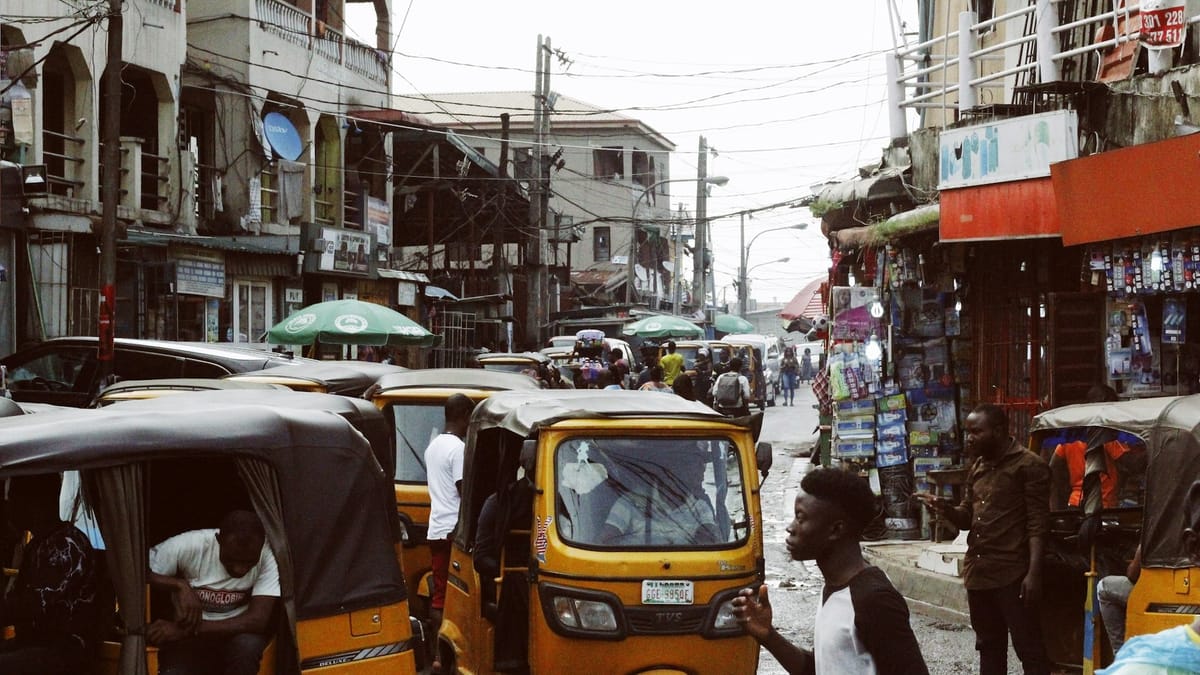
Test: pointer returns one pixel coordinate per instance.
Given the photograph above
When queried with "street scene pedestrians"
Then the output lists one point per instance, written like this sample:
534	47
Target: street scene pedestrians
946	639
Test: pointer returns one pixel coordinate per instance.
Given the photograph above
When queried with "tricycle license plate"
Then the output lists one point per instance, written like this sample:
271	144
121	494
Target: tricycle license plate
658	592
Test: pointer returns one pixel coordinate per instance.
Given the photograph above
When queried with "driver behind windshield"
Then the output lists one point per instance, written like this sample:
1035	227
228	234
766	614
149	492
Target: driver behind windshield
666	508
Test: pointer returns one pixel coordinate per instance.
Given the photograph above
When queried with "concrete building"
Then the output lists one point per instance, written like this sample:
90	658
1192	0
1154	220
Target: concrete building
251	185
602	164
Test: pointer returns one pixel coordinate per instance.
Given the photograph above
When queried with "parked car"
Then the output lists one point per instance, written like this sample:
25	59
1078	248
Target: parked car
64	371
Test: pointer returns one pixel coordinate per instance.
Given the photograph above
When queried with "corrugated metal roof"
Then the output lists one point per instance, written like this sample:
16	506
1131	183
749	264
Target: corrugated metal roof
481	110
403	275
241	244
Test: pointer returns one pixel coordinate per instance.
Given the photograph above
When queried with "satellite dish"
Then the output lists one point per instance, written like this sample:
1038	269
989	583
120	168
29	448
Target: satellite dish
282	136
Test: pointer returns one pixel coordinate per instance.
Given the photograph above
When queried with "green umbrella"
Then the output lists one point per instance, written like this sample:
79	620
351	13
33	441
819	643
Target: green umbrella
663	326
349	322
731	323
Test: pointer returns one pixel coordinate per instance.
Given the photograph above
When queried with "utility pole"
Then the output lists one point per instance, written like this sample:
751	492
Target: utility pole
497	225
533	248
111	137
699	284
543	270
677	267
743	283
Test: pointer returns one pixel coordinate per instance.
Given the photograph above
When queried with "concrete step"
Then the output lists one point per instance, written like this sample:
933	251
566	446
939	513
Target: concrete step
928	592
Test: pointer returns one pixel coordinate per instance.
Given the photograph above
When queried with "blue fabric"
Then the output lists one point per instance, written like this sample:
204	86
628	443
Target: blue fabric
1171	648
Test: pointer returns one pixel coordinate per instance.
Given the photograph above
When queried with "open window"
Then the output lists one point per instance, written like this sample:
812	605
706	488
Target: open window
608	163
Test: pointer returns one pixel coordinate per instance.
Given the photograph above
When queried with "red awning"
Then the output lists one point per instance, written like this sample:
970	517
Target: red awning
1142	189
808	303
1020	209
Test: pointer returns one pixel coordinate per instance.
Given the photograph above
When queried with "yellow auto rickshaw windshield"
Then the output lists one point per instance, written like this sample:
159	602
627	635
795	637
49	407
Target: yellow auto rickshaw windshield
650	492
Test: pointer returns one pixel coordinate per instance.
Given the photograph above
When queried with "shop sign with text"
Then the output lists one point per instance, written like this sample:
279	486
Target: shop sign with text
1007	150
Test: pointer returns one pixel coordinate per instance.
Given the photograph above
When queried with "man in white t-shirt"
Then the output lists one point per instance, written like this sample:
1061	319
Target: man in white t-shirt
444	471
224	585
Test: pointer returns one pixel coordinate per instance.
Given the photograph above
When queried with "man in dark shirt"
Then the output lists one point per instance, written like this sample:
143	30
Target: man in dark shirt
862	626
53	604
1006	507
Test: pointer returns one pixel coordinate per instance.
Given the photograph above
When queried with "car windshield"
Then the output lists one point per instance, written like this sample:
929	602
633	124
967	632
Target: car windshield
646	492
416	426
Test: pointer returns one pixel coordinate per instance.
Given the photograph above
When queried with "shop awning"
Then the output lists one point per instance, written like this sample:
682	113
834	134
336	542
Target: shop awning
1023	209
1129	192
439	293
250	244
921	219
807	303
403	275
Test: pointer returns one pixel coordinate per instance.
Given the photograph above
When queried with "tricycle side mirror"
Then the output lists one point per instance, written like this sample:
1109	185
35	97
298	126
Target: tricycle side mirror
528	457
764	456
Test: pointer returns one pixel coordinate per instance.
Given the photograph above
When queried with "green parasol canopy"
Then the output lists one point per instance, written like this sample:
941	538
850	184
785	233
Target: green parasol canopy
663	326
731	323
350	322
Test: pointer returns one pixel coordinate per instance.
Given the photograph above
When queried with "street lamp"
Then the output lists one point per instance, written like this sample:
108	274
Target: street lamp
630	264
743	286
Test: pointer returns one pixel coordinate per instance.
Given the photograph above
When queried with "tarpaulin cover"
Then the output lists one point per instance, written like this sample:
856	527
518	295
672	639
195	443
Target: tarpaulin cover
454	378
524	412
330	483
349	378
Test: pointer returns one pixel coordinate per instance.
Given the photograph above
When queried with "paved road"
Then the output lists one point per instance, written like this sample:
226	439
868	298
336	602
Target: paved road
795	587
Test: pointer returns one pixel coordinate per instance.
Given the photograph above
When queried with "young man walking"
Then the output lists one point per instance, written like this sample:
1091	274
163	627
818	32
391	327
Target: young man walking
862	626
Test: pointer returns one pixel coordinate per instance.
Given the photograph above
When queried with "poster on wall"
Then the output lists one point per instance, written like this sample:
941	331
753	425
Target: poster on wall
1174	330
857	312
345	251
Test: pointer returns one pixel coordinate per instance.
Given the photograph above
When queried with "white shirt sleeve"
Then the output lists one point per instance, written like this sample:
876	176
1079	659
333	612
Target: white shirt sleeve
267	583
164	558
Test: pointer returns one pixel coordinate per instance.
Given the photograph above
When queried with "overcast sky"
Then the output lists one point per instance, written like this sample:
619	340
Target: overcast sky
804	105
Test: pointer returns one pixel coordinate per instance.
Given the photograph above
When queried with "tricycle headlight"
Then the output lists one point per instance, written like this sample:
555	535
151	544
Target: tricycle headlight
724	619
595	615
592	615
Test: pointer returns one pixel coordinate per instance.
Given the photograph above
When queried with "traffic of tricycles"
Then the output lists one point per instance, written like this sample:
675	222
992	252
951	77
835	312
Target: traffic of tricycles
621	525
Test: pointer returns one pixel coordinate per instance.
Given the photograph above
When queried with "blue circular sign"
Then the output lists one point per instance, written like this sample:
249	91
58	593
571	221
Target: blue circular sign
282	136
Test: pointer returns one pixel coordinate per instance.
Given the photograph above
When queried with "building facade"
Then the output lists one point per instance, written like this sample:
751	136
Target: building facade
253	179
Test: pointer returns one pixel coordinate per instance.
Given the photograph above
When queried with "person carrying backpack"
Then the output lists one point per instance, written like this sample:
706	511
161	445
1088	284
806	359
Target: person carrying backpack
731	391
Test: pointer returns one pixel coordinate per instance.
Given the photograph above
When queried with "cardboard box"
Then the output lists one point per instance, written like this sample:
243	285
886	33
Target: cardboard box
893	402
890	453
854	448
863	407
855	427
923	465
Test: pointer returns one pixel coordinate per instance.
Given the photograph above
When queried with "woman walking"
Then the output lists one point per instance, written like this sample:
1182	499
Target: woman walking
789	368
806	366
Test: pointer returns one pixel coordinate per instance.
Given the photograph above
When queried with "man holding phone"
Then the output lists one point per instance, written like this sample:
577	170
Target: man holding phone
1006	508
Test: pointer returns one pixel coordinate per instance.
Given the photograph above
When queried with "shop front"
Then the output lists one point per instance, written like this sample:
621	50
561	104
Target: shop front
1140	257
200	289
899	358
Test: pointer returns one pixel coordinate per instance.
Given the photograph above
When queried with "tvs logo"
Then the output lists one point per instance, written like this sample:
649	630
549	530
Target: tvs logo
653	325
299	322
350	323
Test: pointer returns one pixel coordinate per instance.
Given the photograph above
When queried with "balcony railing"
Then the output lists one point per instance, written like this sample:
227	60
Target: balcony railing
172	5
284	20
296	26
1046	42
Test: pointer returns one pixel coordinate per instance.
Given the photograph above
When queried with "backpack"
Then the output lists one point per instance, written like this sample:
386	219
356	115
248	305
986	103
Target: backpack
728	392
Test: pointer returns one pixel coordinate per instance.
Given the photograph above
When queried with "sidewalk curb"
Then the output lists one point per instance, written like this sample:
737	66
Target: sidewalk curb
936	595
